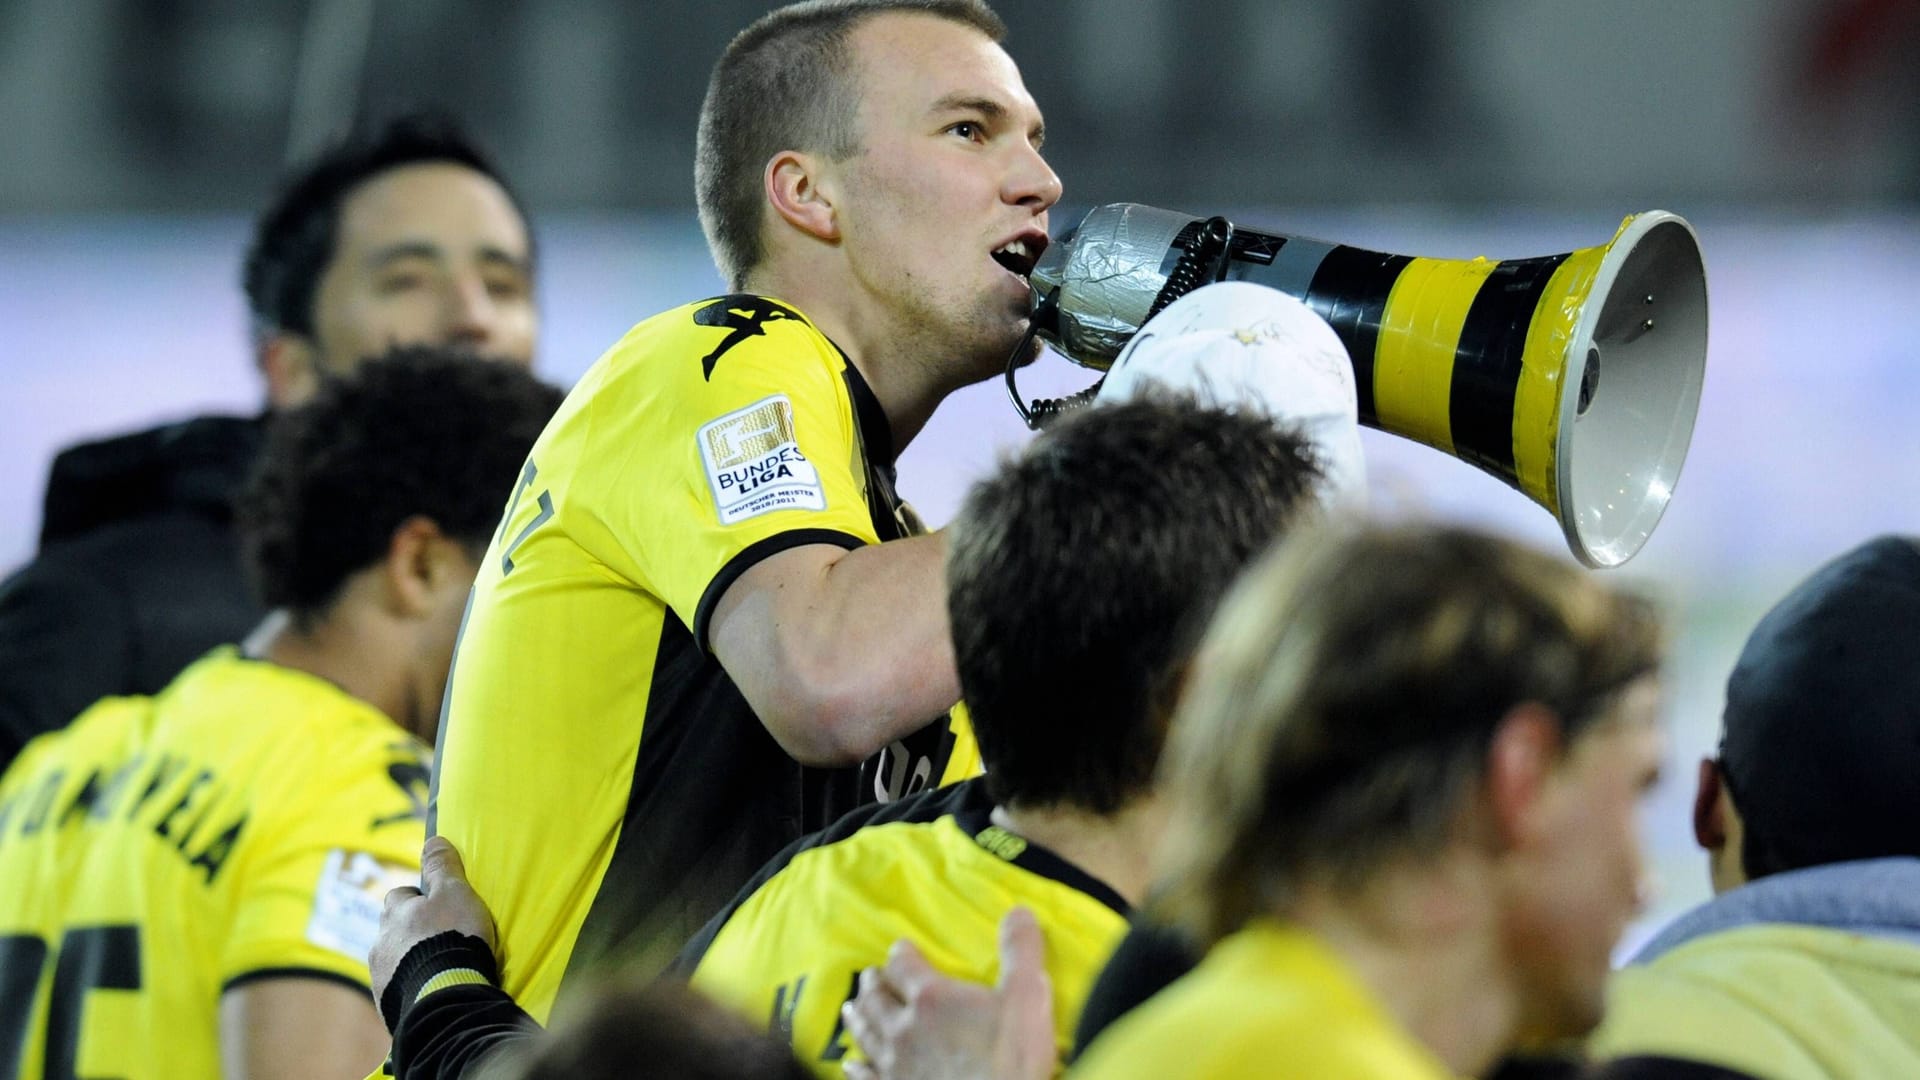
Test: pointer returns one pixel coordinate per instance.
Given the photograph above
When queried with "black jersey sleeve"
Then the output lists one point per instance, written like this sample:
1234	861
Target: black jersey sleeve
447	1011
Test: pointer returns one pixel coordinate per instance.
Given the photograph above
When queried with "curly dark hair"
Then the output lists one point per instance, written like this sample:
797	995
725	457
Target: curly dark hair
423	431
293	240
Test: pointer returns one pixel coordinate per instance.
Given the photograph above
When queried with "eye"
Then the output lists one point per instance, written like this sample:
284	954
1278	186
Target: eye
506	286
970	130
401	282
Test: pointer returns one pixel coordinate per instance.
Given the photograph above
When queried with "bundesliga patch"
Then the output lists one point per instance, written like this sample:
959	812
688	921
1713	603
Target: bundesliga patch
352	889
754	464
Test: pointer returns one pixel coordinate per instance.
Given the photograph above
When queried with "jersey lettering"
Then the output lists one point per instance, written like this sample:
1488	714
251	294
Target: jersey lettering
836	1047
545	502
754	463
43	803
22	957
415	781
90	958
184	821
908	766
786	999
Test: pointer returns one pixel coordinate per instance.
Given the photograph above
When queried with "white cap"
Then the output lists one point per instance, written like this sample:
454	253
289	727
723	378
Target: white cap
1237	344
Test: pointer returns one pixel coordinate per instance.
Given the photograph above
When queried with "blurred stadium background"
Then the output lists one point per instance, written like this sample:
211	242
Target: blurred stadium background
141	135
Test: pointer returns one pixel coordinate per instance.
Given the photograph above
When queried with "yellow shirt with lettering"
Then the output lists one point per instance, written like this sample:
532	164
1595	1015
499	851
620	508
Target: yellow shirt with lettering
244	823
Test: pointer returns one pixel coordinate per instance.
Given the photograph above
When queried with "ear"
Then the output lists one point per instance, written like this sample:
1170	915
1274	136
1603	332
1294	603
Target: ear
802	194
1709	823
1520	762
417	569
291	365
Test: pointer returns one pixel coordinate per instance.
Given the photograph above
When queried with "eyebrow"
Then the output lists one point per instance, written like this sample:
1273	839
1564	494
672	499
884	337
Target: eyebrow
989	108
421	249
413	249
518	263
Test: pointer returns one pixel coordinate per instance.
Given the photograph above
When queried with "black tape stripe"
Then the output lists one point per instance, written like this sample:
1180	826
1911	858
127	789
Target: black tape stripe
1246	246
1350	291
1486	365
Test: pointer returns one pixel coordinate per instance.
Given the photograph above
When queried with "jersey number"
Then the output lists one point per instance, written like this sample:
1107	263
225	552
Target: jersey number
545	501
90	958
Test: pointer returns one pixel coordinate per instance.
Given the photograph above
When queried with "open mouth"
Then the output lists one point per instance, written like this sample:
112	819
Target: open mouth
1020	255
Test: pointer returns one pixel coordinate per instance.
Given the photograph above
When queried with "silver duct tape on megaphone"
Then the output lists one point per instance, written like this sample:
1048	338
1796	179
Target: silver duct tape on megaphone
1573	377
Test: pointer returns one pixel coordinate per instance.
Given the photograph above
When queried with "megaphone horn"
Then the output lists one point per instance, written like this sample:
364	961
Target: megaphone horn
1573	377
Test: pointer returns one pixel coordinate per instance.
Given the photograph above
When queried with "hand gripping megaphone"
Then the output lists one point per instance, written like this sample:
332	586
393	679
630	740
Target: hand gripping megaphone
1574	377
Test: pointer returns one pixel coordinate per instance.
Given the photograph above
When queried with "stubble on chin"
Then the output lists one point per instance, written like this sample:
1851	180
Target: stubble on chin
991	352
971	344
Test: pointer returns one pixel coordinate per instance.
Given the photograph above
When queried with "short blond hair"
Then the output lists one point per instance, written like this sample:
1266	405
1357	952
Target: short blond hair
787	82
1343	701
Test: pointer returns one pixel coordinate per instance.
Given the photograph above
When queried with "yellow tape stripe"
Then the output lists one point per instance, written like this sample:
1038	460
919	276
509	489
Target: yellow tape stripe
1419	333
450	978
1544	363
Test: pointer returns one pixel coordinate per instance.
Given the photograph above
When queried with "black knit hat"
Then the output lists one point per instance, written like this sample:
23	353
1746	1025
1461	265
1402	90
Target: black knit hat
1822	739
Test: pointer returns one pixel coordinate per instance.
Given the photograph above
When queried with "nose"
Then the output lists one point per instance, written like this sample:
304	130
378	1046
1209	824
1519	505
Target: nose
471	315
1032	182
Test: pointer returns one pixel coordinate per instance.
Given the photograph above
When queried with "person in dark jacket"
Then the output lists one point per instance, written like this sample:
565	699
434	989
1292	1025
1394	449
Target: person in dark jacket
405	235
1805	965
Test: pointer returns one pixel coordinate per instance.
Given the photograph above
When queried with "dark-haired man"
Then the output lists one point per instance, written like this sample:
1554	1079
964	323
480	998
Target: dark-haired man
410	237
190	882
405	236
707	628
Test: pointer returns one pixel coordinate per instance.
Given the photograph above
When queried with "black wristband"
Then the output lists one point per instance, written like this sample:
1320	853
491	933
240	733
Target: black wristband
449	950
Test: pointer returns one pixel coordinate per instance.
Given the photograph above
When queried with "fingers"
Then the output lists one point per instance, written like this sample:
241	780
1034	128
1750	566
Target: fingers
878	988
863	1016
873	1012
399	894
1023	949
907	971
440	864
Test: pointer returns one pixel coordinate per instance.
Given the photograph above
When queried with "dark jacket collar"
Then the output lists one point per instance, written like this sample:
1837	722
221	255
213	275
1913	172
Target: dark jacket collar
197	466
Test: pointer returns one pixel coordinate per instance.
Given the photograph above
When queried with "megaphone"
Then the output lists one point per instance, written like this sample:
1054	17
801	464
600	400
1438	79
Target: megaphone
1574	377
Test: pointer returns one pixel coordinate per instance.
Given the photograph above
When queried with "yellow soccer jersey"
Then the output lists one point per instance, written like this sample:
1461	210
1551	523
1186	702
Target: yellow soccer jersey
245	822
606	782
1267	1001
933	869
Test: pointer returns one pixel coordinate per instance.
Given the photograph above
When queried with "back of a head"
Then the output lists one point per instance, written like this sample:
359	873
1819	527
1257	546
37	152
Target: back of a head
293	238
1080	572
1341	707
661	1029
420	432
1822	726
786	83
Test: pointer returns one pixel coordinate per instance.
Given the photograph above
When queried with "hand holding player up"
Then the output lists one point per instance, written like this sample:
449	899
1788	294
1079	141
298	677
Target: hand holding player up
913	1022
443	902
